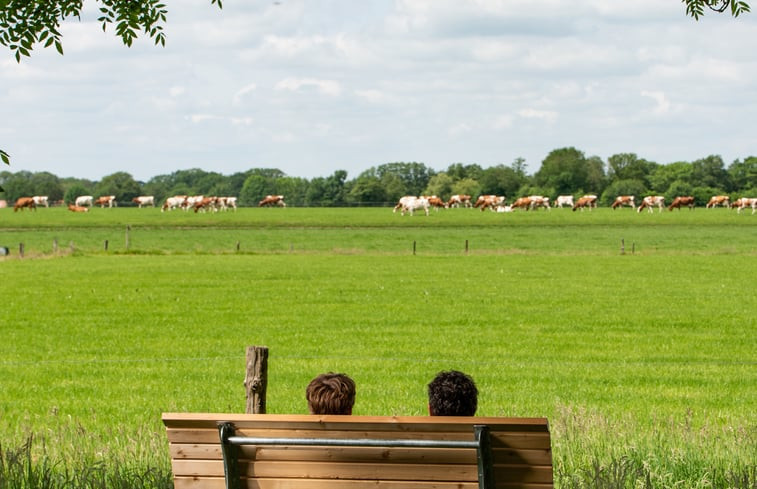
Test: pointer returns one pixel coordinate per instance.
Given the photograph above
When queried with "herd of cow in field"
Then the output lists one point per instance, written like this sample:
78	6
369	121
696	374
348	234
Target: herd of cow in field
406	205
496	203
198	203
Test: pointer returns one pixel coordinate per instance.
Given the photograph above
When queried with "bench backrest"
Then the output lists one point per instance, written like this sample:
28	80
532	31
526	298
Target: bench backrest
520	451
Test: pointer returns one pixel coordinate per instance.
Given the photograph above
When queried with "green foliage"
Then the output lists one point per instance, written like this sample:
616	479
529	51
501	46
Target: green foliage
680	188
622	187
695	8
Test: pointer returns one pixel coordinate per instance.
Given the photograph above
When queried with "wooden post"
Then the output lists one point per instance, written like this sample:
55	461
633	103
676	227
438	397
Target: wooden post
106	245
256	379
622	246
413	247
128	228
237	246
466	246
55	245
21	250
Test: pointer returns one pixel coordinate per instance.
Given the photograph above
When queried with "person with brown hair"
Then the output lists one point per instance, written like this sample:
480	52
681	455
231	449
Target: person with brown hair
331	393
452	393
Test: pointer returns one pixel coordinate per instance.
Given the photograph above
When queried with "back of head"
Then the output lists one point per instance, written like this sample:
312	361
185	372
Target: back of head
452	393
331	393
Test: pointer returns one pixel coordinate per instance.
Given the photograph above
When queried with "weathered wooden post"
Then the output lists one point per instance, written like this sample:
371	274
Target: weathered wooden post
106	245
237	246
21	250
622	246
466	246
128	228
413	247
256	379
55	245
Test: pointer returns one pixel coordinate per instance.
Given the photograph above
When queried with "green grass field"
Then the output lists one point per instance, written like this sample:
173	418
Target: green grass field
644	362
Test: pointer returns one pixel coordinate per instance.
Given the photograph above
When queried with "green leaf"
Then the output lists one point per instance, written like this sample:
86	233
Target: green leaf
59	46
5	157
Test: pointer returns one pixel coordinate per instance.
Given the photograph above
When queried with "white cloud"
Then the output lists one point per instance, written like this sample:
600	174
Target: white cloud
663	105
326	87
548	116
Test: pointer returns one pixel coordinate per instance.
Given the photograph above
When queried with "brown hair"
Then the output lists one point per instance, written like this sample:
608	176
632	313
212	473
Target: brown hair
331	393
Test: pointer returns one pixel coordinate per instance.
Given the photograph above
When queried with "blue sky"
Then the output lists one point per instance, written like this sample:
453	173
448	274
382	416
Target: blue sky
314	87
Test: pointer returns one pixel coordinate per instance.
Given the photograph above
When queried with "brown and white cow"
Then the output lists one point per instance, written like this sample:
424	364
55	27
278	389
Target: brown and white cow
588	200
745	202
521	203
103	200
622	200
24	202
488	202
144	200
205	204
84	200
539	201
172	203
458	200
40	200
411	203
682	201
717	200
271	200
77	208
651	201
435	202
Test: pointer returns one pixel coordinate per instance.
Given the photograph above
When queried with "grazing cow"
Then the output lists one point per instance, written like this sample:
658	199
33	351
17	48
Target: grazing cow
172	203
435	202
745	202
504	208
411	204
539	201
23	202
84	200
564	200
521	203
650	201
488	201
589	201
271	200
40	200
622	200
205	204
717	200
77	208
225	202
103	200
679	202
458	200
144	200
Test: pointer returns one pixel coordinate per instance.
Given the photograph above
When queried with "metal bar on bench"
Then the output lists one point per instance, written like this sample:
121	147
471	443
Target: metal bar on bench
230	442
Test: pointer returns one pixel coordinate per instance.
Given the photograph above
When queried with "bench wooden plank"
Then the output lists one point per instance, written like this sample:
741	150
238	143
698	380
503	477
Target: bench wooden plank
521	452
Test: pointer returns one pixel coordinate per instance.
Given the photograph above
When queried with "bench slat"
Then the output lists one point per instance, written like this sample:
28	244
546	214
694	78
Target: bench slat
219	483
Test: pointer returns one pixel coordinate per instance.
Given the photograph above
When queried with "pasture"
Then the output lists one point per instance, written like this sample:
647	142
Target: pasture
642	361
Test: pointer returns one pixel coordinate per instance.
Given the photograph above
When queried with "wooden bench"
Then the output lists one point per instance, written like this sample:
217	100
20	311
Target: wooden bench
266	451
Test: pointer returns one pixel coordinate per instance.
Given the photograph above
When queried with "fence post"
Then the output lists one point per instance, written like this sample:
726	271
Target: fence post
256	379
21	250
128	228
466	246
55	245
413	248
106	245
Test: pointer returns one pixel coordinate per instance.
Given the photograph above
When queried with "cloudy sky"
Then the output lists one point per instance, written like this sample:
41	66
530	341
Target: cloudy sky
314	87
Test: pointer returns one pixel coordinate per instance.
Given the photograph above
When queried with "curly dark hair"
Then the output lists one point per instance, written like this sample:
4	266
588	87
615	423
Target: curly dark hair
331	394
452	393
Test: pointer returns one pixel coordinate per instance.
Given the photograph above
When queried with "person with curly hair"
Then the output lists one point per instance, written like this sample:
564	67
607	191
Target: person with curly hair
331	393
452	393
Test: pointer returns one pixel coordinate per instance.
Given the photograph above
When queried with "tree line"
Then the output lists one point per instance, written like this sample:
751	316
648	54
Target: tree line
565	171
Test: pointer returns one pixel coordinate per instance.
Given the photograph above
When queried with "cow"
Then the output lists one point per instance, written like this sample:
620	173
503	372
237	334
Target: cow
745	202
521	203
650	201
225	202
103	200
410	204
504	208
144	200
622	200
205	204
588	200
539	201
488	201
77	208
435	202
172	203
83	200
271	200
458	200
682	201
717	200
24	202
562	200
40	200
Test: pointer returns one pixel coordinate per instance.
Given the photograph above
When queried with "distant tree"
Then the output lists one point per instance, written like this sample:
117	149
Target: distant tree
45	183
500	180
440	185
628	166
327	192
596	180
467	186
16	185
294	189
743	174
566	170
680	188
458	171
75	191
710	172
121	184
254	189
663	176
631	186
